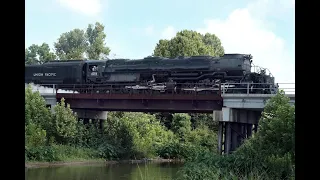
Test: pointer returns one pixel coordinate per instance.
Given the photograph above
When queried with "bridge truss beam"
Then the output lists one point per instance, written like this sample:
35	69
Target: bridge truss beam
143	102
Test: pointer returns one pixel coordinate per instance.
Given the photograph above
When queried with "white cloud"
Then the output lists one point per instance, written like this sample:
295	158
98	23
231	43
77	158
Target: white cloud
87	7
243	31
168	33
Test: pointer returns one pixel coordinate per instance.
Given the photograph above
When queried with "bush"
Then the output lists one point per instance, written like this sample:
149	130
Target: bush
60	153
178	150
60	136
63	125
203	136
35	108
145	133
35	135
269	154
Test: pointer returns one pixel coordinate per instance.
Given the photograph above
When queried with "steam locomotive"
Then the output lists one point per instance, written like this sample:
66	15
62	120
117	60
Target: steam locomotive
157	74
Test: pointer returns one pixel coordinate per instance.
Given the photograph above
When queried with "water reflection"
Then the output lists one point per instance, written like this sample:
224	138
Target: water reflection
150	171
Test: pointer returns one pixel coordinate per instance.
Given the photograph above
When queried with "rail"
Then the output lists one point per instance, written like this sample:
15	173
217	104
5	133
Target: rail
255	88
223	88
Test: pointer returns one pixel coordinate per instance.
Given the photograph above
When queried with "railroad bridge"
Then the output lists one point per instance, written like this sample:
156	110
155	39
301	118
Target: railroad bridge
238	114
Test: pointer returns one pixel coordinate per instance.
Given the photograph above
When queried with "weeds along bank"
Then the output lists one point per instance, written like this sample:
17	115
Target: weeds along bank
60	136
269	154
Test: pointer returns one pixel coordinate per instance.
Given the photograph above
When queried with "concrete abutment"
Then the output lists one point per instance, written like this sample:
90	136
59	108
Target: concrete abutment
235	125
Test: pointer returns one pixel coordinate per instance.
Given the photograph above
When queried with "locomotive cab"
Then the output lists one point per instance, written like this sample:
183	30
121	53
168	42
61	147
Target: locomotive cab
93	70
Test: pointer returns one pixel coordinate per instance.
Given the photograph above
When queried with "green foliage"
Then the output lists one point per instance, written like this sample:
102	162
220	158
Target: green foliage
96	38
189	43
43	53
202	119
35	135
71	45
75	44
35	108
178	150
277	126
189	142
204	137
63	122
203	171
267	155
143	133
213	41
181	124
118	135
60	153
91	136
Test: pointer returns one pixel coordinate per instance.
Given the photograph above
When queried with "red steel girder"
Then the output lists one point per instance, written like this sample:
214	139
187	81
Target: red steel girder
144	103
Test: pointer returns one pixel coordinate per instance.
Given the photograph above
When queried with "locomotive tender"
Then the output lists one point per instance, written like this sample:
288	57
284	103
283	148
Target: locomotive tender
65	72
187	74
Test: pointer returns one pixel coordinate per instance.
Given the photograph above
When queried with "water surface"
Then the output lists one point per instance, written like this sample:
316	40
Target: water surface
148	171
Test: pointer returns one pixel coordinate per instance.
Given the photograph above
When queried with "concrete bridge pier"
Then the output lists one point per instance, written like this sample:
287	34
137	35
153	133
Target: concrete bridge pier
86	115
235	126
51	101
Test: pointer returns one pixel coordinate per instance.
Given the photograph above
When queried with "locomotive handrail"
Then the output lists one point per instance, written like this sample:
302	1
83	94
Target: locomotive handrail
250	86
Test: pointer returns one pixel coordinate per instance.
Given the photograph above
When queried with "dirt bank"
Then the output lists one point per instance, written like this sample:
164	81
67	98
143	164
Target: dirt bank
92	162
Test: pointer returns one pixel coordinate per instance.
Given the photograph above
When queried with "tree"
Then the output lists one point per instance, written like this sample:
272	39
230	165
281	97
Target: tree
64	122
273	146
36	54
189	43
181	124
163	48
37	118
277	125
35	108
214	41
80	44
96	38
34	135
71	45
31	54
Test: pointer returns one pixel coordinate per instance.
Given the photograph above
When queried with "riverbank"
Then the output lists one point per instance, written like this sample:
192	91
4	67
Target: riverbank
92	162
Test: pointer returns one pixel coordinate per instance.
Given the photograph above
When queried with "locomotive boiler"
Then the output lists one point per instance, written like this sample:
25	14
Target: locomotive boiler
195	73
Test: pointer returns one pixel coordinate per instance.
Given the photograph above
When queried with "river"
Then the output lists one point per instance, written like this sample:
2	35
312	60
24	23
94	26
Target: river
145	171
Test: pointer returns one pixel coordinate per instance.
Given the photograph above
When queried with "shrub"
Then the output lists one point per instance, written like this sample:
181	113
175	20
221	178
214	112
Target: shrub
270	154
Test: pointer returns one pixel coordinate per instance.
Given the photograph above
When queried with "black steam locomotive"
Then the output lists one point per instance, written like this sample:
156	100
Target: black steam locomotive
157	74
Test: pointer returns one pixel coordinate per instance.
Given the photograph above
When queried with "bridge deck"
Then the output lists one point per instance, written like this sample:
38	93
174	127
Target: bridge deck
144	102
111	98
141	96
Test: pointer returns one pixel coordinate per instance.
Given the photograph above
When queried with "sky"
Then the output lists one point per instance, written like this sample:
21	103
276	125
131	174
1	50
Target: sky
262	28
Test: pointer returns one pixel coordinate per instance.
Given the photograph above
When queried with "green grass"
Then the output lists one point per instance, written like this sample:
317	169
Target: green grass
60	153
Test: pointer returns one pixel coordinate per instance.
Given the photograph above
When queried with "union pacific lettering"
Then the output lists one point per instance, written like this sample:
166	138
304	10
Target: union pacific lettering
44	74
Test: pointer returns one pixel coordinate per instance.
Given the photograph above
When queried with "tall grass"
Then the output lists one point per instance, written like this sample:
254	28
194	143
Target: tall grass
60	153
